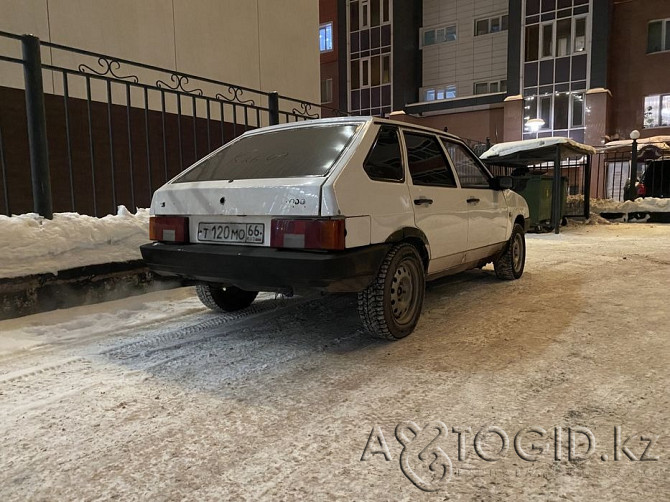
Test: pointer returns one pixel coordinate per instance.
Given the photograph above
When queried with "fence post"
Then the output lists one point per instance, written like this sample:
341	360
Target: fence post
37	126
556	192
273	107
587	187
632	189
488	143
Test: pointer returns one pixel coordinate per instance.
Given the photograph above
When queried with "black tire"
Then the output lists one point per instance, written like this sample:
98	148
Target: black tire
225	299
510	264
390	307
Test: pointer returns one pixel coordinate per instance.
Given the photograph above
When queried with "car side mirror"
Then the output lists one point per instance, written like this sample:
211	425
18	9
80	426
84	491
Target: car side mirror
503	182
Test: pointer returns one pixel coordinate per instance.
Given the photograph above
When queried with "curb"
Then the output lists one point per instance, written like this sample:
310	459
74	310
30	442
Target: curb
21	296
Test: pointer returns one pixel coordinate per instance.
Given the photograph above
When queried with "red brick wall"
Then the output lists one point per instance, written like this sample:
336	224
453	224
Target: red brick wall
634	74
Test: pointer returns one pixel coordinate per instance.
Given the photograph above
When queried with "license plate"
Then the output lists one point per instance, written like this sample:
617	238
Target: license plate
238	233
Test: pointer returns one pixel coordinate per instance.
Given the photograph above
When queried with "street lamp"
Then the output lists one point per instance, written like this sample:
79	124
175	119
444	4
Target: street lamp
632	188
535	124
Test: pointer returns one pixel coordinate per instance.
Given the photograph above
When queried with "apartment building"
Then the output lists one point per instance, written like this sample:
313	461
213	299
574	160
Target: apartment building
383	64
591	70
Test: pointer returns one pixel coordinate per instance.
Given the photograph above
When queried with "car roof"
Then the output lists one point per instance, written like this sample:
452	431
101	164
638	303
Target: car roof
352	120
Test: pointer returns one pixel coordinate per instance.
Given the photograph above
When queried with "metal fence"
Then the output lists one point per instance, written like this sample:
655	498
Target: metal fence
99	131
575	173
612	173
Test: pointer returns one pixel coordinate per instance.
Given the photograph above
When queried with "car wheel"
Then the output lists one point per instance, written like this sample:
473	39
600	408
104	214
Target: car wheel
511	262
390	307
225	299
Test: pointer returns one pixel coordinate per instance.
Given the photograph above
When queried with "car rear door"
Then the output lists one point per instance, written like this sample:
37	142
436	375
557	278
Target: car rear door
487	208
440	210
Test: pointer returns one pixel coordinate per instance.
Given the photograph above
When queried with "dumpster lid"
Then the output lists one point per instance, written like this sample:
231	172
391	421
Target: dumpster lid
535	150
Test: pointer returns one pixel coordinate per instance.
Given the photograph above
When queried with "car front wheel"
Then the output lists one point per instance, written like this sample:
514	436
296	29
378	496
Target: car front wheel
225	299
511	262
390	307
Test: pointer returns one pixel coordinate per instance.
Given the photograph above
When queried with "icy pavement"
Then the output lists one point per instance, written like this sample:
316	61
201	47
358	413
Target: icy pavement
156	397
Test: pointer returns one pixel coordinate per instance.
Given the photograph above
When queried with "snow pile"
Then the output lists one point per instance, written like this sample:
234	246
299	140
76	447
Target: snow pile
640	205
510	147
33	245
594	219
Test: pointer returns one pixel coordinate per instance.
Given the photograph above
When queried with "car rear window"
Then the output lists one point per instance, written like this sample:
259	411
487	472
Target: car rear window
285	153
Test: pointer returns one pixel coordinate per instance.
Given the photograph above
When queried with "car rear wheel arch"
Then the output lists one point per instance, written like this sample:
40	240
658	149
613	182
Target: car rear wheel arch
416	238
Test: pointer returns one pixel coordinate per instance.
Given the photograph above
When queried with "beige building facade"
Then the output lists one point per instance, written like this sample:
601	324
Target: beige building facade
270	45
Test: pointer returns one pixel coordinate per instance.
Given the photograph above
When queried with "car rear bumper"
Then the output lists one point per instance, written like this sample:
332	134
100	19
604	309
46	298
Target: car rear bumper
268	269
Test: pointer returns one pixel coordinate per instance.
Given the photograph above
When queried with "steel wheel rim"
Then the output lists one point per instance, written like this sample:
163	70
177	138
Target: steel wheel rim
404	292
517	252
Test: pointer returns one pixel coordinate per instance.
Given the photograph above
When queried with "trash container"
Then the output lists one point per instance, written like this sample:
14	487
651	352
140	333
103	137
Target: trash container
537	189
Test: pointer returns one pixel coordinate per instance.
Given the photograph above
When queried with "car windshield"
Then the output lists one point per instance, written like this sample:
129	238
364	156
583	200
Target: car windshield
284	153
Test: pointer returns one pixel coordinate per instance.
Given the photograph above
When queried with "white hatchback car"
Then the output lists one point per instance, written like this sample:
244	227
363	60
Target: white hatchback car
360	204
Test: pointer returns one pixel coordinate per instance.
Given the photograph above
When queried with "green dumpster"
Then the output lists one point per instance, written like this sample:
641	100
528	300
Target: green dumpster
536	189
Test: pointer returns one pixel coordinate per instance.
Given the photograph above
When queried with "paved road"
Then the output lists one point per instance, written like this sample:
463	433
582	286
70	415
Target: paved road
155	397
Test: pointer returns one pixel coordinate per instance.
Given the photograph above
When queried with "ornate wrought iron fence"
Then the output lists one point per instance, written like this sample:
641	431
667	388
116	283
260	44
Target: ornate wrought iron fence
109	130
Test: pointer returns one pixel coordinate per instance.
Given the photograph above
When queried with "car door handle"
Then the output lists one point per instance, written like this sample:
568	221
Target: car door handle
423	200
472	200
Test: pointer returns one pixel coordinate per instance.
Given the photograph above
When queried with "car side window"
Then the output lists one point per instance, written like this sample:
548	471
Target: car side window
427	163
470	173
384	162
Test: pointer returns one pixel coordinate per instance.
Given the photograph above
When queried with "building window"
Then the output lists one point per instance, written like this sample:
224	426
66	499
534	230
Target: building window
326	37
386	69
563	33
580	34
439	35
490	87
532	42
547	43
491	25
443	92
365	14
560	110
555	39
577	110
657	111
365	72
327	91
658	36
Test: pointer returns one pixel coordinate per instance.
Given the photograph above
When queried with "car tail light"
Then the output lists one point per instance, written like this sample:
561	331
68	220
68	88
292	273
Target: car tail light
641	190
168	229
308	234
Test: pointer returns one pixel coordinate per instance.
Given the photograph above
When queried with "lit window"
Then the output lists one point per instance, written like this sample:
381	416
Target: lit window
430	94
658	36
657	111
326	37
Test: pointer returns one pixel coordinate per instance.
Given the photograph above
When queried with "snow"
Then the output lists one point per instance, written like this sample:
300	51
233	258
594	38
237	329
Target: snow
640	205
34	245
510	147
661	142
107	401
